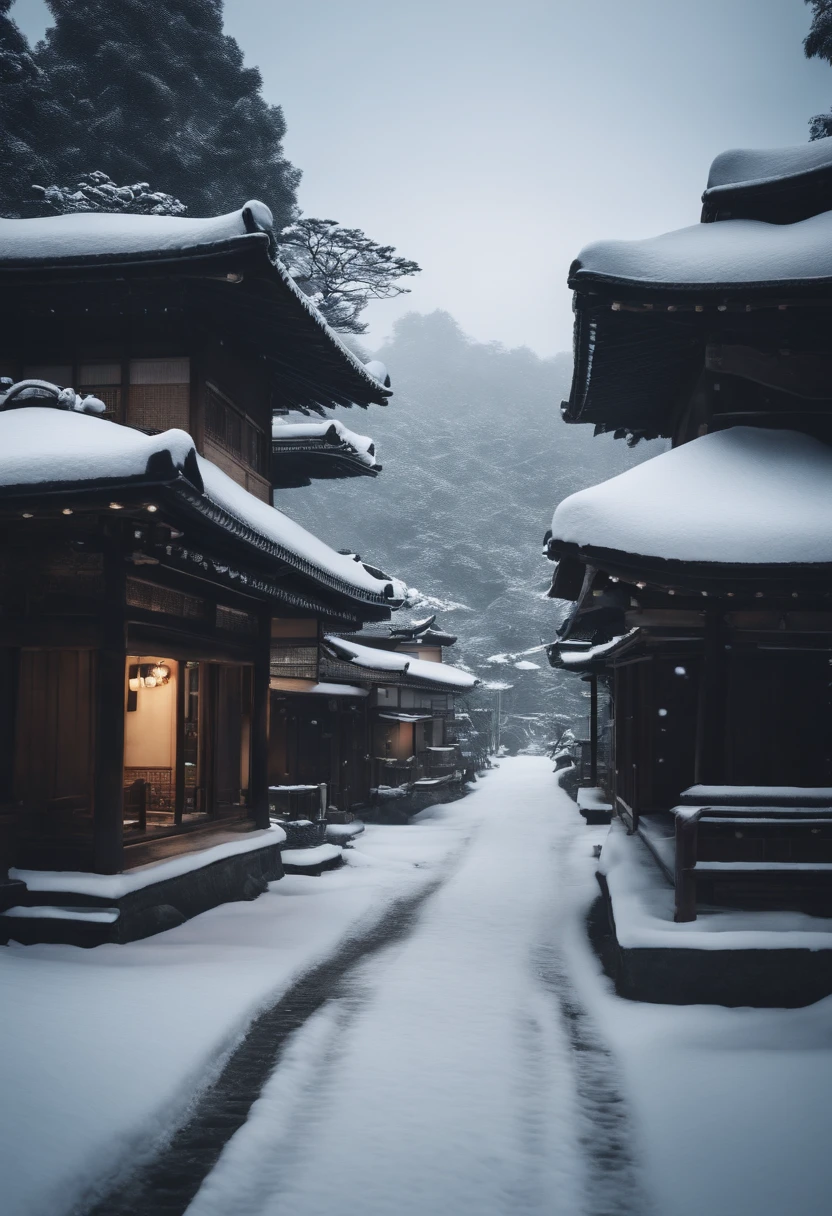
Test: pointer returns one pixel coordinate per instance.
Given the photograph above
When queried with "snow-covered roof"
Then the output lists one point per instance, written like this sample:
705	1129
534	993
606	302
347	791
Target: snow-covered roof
333	431
403	664
741	496
713	257
778	185
97	234
49	448
758	166
243	244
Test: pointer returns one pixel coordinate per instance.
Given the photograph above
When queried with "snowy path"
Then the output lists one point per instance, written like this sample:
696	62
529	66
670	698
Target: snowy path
445	1043
443	1077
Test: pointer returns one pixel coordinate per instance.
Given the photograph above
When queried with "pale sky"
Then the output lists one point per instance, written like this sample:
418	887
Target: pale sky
491	139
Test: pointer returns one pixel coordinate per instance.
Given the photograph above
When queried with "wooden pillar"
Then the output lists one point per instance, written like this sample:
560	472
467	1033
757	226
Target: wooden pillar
108	843
259	781
593	729
709	766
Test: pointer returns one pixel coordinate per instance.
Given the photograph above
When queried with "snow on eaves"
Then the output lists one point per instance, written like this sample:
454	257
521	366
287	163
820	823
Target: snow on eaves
86	236
41	445
760	166
283	531
740	496
733	253
404	664
362	446
50	447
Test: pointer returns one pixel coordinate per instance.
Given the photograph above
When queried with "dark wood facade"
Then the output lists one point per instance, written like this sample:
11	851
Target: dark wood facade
717	672
136	611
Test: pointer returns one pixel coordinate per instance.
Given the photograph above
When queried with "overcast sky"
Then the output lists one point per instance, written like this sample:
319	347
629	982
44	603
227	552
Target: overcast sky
491	139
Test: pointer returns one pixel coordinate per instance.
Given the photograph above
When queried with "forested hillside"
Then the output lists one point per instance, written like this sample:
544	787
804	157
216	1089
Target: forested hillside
475	459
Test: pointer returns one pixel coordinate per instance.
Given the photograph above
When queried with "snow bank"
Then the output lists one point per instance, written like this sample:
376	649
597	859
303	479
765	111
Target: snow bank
82	1100
731	253
643	906
315	856
745	495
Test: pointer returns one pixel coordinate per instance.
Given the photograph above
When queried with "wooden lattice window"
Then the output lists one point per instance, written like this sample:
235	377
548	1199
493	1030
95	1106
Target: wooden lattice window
236	621
153	598
103	380
160	391
234	431
294	662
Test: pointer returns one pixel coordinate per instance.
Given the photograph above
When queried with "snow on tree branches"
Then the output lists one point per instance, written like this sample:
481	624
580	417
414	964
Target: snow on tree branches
341	269
818	45
97	192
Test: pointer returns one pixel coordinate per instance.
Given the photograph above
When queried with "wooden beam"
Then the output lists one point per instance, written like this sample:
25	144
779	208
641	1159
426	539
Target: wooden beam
709	765
108	843
259	780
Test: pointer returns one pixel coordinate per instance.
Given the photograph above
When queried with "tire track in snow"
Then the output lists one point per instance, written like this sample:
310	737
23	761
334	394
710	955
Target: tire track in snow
167	1184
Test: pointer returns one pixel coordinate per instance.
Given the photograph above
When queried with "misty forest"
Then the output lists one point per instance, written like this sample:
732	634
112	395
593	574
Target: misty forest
415	608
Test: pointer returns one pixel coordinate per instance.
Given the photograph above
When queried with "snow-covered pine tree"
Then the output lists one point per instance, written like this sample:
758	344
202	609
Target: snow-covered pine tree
159	92
97	192
31	117
342	269
818	45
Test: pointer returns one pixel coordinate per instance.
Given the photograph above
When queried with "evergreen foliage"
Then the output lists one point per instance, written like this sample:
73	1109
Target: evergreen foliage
97	192
31	117
818	45
158	91
341	269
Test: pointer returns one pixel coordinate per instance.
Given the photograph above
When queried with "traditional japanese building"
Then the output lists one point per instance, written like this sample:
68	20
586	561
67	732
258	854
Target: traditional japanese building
412	738
147	579
701	580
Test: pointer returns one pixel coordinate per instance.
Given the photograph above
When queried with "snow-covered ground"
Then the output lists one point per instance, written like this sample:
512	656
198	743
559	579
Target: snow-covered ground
442	1076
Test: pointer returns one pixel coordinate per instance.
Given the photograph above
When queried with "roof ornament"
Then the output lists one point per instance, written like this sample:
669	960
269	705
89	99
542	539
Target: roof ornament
46	395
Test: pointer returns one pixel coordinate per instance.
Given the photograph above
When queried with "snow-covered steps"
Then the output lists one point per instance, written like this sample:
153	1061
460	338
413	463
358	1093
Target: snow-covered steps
593	805
312	861
85	909
726	956
343	833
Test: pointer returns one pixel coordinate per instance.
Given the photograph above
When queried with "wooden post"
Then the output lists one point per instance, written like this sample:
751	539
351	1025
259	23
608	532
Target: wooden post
259	781
179	794
593	729
710	725
687	831
108	829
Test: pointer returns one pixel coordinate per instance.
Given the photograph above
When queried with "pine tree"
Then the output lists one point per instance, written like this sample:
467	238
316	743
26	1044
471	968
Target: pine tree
158	92
342	269
31	118
818	45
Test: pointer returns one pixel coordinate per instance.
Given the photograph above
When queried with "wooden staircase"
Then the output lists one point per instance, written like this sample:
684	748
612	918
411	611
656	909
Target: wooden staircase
753	847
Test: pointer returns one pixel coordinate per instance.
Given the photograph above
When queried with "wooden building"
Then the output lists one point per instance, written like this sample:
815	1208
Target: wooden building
412	737
702	579
145	573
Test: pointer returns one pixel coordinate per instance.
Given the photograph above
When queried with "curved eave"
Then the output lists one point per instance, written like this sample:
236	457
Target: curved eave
299	464
718	578
777	200
166	486
240	282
